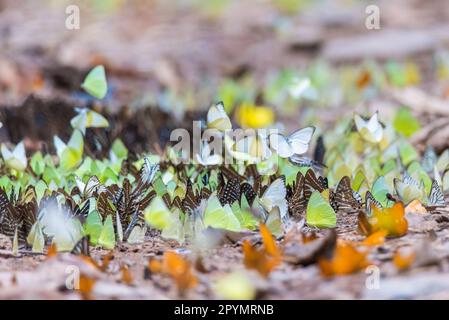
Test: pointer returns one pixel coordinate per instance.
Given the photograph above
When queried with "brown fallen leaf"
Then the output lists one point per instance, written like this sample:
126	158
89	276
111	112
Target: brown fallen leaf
310	251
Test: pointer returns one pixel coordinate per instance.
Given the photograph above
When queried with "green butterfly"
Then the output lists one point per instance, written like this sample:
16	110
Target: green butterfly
70	154
95	82
107	234
218	216
36	238
157	215
319	213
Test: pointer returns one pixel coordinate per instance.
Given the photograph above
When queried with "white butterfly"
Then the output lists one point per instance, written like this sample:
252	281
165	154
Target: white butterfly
17	158
370	130
91	187
205	157
275	196
87	118
148	171
298	87
296	143
217	118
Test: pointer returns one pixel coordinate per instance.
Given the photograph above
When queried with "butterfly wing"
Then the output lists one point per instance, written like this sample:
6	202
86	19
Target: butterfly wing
343	197
231	192
436	196
370	201
281	145
319	213
312	183
276	195
297	202
300	140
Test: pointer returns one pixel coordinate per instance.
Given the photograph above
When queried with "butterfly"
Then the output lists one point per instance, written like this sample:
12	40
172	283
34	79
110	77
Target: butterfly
95	82
297	202
312	183
298	87
148	171
301	161
220	216
91	188
87	118
275	196
344	198
16	220
82	247
205	158
191	200
408	189
371	130
217	118
247	191
319	212
251	148
436	196
231	192
370	201
320	150
70	155
429	159
296	143
17	158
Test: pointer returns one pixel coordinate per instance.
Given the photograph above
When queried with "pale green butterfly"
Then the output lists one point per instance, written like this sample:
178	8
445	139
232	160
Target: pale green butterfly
95	82
319	213
70	154
218	216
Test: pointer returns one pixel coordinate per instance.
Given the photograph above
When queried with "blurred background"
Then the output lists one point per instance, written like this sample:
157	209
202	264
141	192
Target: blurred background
167	61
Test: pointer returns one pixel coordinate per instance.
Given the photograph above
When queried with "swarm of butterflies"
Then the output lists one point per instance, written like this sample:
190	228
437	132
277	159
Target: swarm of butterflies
182	200
365	168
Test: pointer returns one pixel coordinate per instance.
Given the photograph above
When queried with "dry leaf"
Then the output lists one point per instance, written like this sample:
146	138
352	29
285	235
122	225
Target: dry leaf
265	259
86	284
52	251
178	268
310	251
126	275
392	220
375	239
403	261
346	259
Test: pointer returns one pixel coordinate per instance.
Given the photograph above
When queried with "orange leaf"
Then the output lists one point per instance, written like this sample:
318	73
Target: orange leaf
402	261
268	241
178	268
346	259
363	80
415	207
392	220
52	250
155	266
126	275
86	284
375	239
263	260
